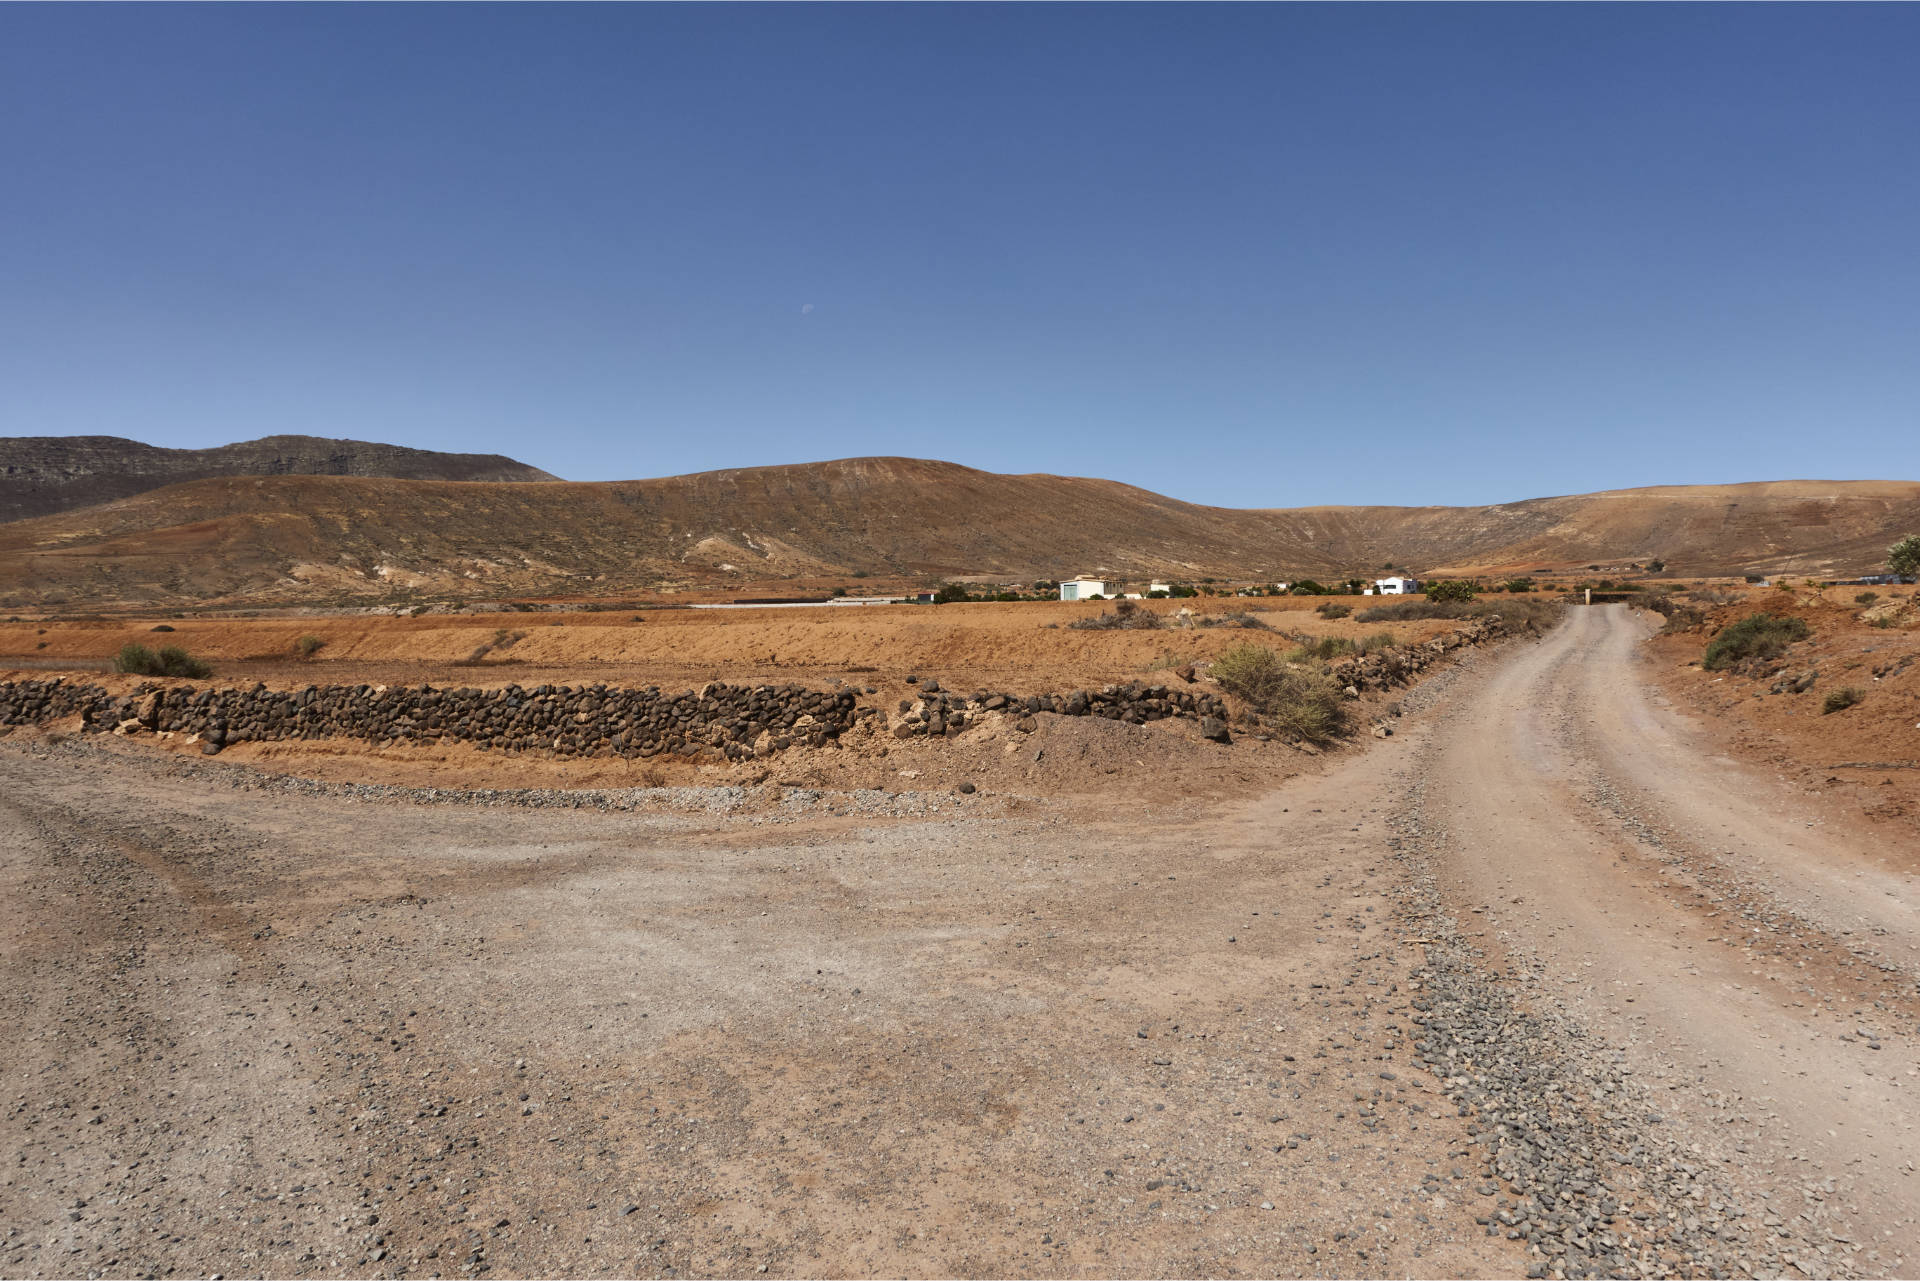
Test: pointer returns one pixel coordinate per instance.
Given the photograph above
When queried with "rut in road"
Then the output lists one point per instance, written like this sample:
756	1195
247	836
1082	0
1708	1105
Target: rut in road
1751	966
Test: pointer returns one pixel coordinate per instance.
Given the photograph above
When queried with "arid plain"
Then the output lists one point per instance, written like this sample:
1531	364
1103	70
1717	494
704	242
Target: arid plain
1560	977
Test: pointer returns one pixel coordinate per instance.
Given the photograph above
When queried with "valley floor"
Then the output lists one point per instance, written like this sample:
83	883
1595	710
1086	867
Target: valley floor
1541	984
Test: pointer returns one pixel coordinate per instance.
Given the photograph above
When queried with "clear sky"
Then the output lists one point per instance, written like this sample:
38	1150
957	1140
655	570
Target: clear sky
1247	255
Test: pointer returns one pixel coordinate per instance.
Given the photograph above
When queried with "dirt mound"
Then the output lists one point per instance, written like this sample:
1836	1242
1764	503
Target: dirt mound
319	540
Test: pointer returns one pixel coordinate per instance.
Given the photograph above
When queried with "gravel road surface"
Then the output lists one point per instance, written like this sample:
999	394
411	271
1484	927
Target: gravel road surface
1534	986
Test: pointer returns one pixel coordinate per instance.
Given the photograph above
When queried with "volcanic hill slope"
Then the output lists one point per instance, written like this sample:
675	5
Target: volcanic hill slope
45	475
293	539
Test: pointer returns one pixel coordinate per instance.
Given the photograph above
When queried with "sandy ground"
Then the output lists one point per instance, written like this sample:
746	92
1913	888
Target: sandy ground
265	1027
1026	647
269	1033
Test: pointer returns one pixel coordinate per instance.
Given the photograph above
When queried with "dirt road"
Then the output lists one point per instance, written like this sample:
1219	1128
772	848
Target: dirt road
1755	964
292	1029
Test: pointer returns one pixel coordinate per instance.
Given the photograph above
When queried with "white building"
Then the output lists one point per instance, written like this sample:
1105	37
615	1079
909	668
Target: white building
1083	588
1395	587
1165	589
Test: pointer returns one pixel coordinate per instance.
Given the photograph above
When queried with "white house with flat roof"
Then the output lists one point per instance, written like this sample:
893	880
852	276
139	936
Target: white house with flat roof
1083	588
1395	587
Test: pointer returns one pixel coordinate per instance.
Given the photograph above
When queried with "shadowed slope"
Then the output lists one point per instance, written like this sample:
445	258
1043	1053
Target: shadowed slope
45	475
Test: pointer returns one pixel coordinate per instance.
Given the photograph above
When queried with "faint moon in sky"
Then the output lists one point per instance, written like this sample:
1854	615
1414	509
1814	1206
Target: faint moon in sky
805	308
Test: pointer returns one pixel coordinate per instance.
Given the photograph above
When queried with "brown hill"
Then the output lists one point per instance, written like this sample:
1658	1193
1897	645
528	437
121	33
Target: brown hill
329	539
45	475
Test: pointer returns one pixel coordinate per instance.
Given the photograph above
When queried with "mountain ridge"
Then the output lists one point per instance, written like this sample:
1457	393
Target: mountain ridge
47	475
309	539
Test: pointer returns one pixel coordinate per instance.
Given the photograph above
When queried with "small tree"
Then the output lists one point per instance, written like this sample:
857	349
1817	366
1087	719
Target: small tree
1904	556
1451	589
949	593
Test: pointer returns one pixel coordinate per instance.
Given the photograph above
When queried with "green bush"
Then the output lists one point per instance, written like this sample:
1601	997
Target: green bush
1841	699
1519	584
1300	700
1866	598
308	646
1452	589
138	660
1904	556
1755	636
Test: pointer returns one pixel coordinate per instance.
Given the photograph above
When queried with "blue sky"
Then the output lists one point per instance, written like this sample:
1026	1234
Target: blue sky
1246	255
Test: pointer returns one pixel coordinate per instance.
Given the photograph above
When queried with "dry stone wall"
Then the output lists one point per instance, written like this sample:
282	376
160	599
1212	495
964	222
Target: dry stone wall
1400	664
716	722
937	712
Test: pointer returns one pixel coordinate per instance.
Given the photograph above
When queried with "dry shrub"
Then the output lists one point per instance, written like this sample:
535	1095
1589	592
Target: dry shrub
1319	651
138	660
1299	699
1238	618
1755	636
1125	616
1841	699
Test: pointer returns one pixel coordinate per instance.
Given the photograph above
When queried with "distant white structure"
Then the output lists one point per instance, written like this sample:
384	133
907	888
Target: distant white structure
1157	586
1083	588
1395	587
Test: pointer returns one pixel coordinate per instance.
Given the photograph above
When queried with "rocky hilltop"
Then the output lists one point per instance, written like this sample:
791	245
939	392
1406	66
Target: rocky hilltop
45	475
336	539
